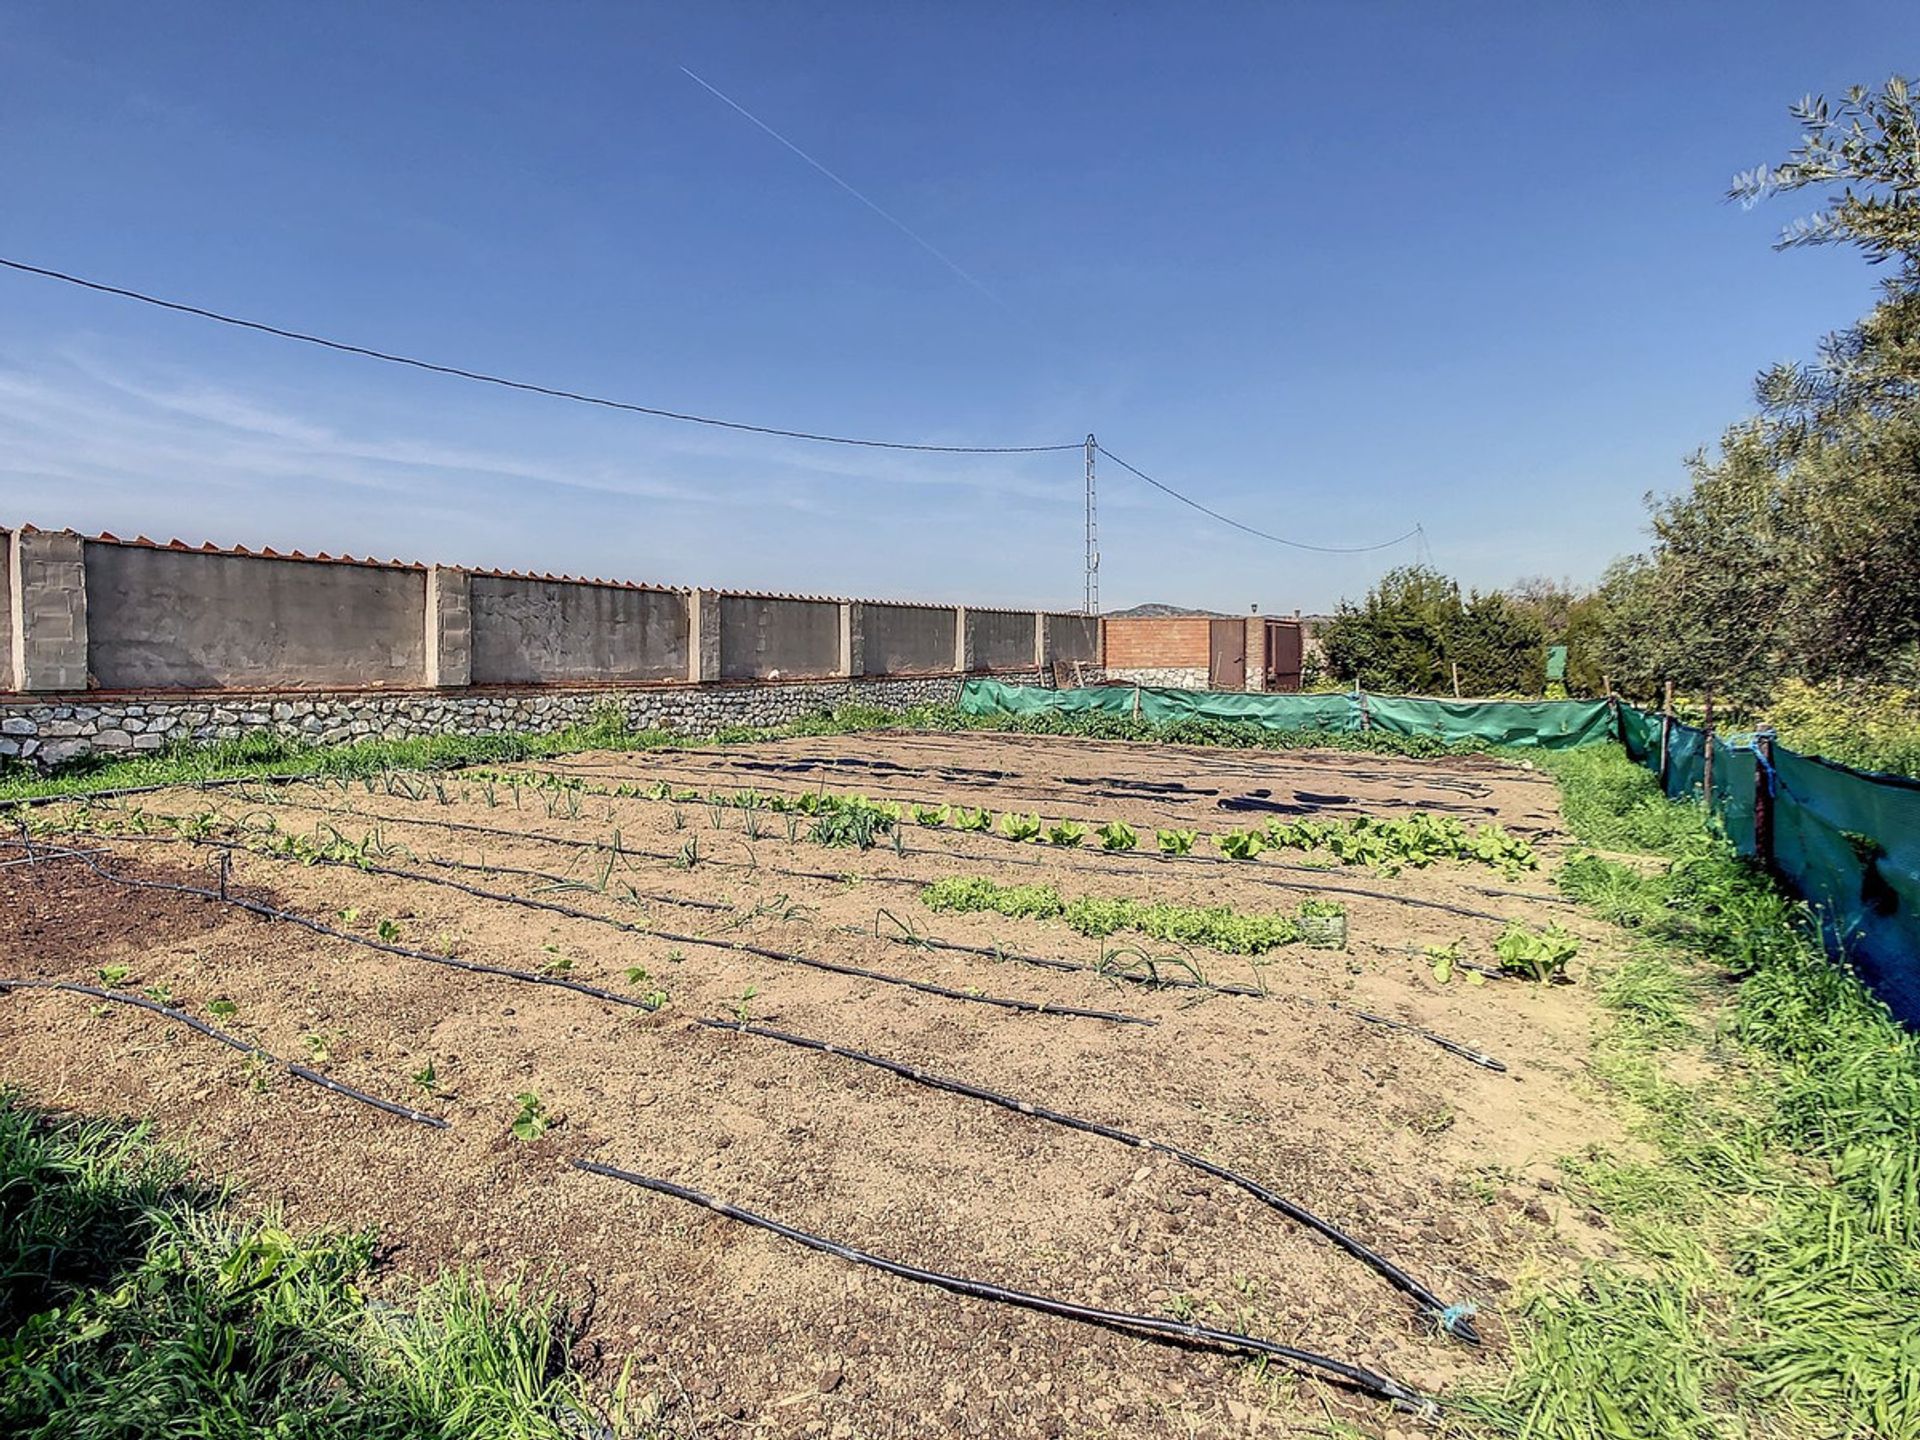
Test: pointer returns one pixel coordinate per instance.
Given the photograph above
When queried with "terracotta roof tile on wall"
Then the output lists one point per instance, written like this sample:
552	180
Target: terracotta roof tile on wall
323	558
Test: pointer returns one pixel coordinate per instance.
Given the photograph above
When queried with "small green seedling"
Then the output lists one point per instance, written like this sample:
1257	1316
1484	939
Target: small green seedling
1176	842
113	974
1066	832
531	1122
1020	827
318	1048
972	820
1240	844
426	1080
388	930
347	916
1117	835
932	816
222	1009
1535	955
742	1008
160	993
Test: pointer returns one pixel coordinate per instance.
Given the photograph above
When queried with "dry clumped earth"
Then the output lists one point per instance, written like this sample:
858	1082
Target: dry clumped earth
1444	1166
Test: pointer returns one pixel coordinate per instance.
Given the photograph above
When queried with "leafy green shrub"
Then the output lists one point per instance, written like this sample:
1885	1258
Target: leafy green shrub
1117	835
1870	727
973	820
1175	842
932	816
1067	833
1535	954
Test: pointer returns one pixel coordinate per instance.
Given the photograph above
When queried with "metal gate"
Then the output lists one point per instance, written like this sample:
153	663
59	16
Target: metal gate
1285	650
1227	655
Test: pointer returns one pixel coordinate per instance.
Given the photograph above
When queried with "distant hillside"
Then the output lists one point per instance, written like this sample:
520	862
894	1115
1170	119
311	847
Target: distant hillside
1155	611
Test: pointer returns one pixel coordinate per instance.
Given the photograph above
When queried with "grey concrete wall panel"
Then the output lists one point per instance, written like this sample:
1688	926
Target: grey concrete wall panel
762	637
171	619
908	639
531	632
1073	637
1000	639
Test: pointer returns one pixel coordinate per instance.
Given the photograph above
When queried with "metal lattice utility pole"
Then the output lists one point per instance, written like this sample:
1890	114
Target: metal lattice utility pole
1093	535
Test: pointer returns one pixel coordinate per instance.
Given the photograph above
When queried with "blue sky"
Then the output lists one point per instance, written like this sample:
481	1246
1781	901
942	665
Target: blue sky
1334	269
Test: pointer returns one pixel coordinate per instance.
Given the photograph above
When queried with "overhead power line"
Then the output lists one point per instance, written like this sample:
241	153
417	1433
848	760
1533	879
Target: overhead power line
529	387
553	392
1254	530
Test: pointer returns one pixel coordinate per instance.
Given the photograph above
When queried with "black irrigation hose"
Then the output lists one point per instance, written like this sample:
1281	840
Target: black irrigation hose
1354	1375
573	912
1113	867
993	952
269	912
245	1047
1298	1213
1453	1047
569	842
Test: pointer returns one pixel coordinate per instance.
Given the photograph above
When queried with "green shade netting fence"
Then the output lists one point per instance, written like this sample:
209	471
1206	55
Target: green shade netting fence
1548	724
1847	841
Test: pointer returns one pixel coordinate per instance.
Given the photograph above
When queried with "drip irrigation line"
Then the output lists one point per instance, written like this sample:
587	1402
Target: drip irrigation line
1124	863
38	859
245	1047
1375	1261
1163	811
458	373
742	947
1000	953
318	927
1465	1052
1353	1375
996	952
1127	863
569	842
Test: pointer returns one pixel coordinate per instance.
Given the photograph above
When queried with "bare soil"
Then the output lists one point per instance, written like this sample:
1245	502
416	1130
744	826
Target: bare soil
1444	1166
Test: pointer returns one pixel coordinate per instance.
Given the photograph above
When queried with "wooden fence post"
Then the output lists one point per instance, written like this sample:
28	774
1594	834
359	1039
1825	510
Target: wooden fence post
1763	789
1706	762
1666	736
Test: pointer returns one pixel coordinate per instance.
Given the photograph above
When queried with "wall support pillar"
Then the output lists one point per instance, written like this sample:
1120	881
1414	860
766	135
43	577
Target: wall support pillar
703	635
449	628
47	598
1256	679
853	639
962	642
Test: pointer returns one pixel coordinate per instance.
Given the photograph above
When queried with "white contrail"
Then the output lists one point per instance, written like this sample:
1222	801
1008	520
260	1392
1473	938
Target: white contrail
891	219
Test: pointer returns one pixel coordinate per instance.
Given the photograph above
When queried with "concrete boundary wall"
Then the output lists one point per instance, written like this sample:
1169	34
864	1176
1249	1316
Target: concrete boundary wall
104	614
773	637
110	644
544	632
999	639
164	619
907	639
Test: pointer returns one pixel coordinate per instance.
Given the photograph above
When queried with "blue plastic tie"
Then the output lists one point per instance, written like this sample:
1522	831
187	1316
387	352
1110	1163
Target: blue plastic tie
1451	1317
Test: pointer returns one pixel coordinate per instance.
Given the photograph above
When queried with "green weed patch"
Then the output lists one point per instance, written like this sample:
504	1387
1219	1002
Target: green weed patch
135	1303
1772	1281
1214	927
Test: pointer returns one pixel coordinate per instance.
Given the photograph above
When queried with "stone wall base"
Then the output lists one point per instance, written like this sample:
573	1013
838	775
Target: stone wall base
1173	677
52	730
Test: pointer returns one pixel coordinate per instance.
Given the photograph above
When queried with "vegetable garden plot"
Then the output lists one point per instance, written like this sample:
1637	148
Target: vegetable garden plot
1393	1141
